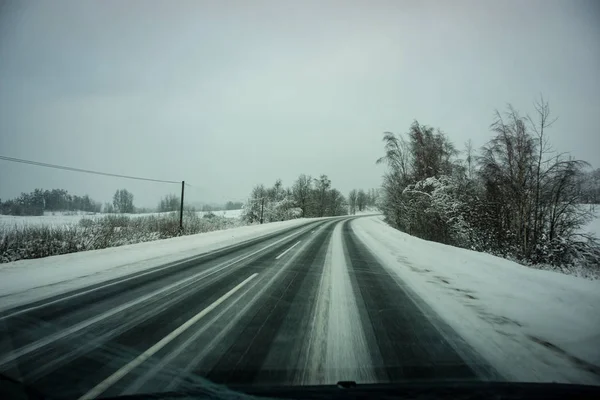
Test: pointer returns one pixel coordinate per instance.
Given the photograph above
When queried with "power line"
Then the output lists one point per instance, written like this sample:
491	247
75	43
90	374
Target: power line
196	187
87	171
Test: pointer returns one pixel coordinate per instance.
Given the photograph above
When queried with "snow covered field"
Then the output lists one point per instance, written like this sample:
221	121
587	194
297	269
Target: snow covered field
66	218
530	324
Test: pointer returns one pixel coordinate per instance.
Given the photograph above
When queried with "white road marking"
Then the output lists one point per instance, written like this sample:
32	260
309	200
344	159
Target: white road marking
25	310
115	377
85	292
284	253
82	325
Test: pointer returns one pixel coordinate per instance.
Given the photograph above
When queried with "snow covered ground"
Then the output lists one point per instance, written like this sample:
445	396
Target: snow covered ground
30	280
224	213
372	211
73	218
532	325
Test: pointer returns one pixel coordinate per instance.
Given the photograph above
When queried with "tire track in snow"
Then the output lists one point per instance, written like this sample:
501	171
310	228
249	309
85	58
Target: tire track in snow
411	347
244	360
280	352
337	348
90	353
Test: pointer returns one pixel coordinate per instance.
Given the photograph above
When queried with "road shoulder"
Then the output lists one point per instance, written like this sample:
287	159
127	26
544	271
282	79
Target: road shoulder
519	319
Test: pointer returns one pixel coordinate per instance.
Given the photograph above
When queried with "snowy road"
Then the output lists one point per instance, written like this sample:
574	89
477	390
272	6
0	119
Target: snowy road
307	305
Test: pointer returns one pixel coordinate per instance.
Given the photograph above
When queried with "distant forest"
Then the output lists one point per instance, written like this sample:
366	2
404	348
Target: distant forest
38	201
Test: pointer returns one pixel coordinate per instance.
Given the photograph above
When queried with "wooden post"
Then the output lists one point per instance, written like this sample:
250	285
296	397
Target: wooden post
262	208
181	207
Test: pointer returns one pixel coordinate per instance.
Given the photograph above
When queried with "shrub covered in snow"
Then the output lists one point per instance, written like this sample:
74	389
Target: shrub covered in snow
307	198
26	242
517	199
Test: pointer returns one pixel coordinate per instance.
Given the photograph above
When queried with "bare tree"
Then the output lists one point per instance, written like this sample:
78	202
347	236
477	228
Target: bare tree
519	198
257	205
397	155
534	191
322	186
507	169
170	202
336	203
123	201
301	192
361	200
108	208
352	201
539	127
277	192
469	159
431	152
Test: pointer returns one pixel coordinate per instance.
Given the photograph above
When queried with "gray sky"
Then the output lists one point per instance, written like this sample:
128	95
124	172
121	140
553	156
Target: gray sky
229	94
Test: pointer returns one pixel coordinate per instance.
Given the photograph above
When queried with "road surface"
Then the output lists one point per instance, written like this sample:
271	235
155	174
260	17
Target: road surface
308	305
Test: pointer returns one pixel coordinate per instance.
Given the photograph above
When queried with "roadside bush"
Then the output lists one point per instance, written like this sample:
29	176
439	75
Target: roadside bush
28	242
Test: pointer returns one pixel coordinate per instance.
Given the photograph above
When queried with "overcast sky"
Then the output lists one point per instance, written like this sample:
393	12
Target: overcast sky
228	94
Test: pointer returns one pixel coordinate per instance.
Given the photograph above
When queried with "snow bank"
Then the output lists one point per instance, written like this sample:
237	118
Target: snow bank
531	325
368	211
225	213
30	280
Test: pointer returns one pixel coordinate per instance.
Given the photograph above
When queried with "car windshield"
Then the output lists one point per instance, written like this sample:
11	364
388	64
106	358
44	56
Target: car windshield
240	194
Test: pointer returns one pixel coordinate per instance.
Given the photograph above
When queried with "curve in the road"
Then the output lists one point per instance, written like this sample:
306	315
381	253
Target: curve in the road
319	308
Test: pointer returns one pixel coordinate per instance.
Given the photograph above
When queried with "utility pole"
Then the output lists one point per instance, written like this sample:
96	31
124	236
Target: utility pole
262	208
181	207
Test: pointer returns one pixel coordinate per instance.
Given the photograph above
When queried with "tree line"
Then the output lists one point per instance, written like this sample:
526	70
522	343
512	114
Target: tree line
516	197
40	200
230	205
172	202
359	200
307	197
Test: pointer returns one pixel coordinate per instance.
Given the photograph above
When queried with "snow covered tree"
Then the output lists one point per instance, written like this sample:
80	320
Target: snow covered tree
518	198
322	186
336	203
352	196
361	200
170	202
123	201
108	208
302	200
589	185
535	193
277	192
254	209
282	210
432	152
301	193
